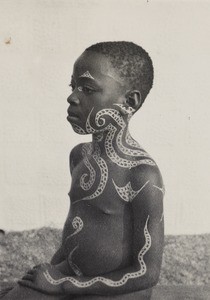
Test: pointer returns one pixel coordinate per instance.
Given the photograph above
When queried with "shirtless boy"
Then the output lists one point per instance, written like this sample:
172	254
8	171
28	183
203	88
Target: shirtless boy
112	240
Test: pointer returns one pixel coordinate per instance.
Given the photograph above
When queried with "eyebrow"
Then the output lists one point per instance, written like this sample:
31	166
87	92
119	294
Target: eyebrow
87	75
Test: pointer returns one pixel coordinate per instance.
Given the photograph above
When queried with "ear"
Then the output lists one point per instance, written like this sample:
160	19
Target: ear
133	99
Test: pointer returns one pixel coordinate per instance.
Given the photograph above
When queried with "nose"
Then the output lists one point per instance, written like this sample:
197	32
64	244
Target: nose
72	99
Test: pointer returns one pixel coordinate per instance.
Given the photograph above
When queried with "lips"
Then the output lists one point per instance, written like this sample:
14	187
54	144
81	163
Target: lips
72	116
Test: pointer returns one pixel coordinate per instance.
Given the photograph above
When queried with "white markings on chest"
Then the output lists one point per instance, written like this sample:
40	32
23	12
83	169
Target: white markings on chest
87	149
110	121
112	283
126	192
103	175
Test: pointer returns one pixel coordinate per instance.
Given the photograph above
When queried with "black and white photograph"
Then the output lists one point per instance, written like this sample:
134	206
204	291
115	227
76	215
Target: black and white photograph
104	150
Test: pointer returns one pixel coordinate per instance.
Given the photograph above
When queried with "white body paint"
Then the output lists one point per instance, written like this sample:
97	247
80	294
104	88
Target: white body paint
87	149
126	192
87	75
162	190
101	125
74	267
112	283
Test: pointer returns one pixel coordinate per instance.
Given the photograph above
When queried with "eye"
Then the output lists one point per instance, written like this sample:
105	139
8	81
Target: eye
85	89
72	86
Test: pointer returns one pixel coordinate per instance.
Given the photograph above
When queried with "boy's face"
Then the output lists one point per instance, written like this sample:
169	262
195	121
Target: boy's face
95	86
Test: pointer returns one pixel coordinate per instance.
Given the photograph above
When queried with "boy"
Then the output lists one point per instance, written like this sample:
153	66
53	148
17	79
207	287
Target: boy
112	240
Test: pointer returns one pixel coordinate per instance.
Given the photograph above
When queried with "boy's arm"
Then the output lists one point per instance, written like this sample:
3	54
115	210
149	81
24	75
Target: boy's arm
147	247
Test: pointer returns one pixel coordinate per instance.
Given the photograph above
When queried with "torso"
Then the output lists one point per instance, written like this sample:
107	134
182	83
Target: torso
97	236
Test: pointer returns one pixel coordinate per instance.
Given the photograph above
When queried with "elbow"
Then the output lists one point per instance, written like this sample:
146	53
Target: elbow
153	277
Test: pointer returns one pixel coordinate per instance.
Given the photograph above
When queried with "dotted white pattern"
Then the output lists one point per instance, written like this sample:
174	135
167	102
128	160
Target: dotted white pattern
103	172
126	192
78	129
122	162
77	224
87	149
87	75
106	281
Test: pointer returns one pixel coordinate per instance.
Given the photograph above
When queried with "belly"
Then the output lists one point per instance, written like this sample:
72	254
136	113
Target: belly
96	242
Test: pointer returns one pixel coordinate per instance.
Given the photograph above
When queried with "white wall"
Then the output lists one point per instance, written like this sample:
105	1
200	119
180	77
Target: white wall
35	68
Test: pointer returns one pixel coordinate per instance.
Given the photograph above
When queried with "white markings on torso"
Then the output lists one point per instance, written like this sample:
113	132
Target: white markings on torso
112	283
74	267
87	149
137	156
103	175
126	192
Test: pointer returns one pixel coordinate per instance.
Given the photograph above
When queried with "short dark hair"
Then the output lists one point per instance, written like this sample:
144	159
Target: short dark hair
131	62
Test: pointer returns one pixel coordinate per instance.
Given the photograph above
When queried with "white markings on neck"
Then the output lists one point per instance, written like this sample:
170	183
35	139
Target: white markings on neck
78	129
117	283
87	75
126	192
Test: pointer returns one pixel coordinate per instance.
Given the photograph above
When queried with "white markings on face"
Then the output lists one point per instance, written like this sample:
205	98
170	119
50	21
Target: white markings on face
126	109
78	129
117	283
87	75
108	124
74	267
162	190
126	192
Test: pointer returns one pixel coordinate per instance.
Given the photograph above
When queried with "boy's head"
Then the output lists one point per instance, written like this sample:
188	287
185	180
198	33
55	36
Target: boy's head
131	62
114	76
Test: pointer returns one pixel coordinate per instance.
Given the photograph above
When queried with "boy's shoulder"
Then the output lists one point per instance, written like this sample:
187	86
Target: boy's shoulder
76	155
146	173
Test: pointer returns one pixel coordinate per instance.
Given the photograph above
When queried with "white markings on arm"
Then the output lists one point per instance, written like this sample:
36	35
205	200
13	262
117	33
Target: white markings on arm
111	283
162	190
126	192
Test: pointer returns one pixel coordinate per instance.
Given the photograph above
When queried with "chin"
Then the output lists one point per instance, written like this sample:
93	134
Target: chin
78	129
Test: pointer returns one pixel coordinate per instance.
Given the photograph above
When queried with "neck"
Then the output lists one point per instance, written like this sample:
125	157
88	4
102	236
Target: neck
115	137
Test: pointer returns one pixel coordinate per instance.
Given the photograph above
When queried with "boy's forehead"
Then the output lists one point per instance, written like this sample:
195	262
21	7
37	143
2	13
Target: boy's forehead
95	66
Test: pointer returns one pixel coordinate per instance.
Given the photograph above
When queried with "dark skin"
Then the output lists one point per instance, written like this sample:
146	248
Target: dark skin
104	237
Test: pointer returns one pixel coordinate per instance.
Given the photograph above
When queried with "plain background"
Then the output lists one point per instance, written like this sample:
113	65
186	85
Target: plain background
39	42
